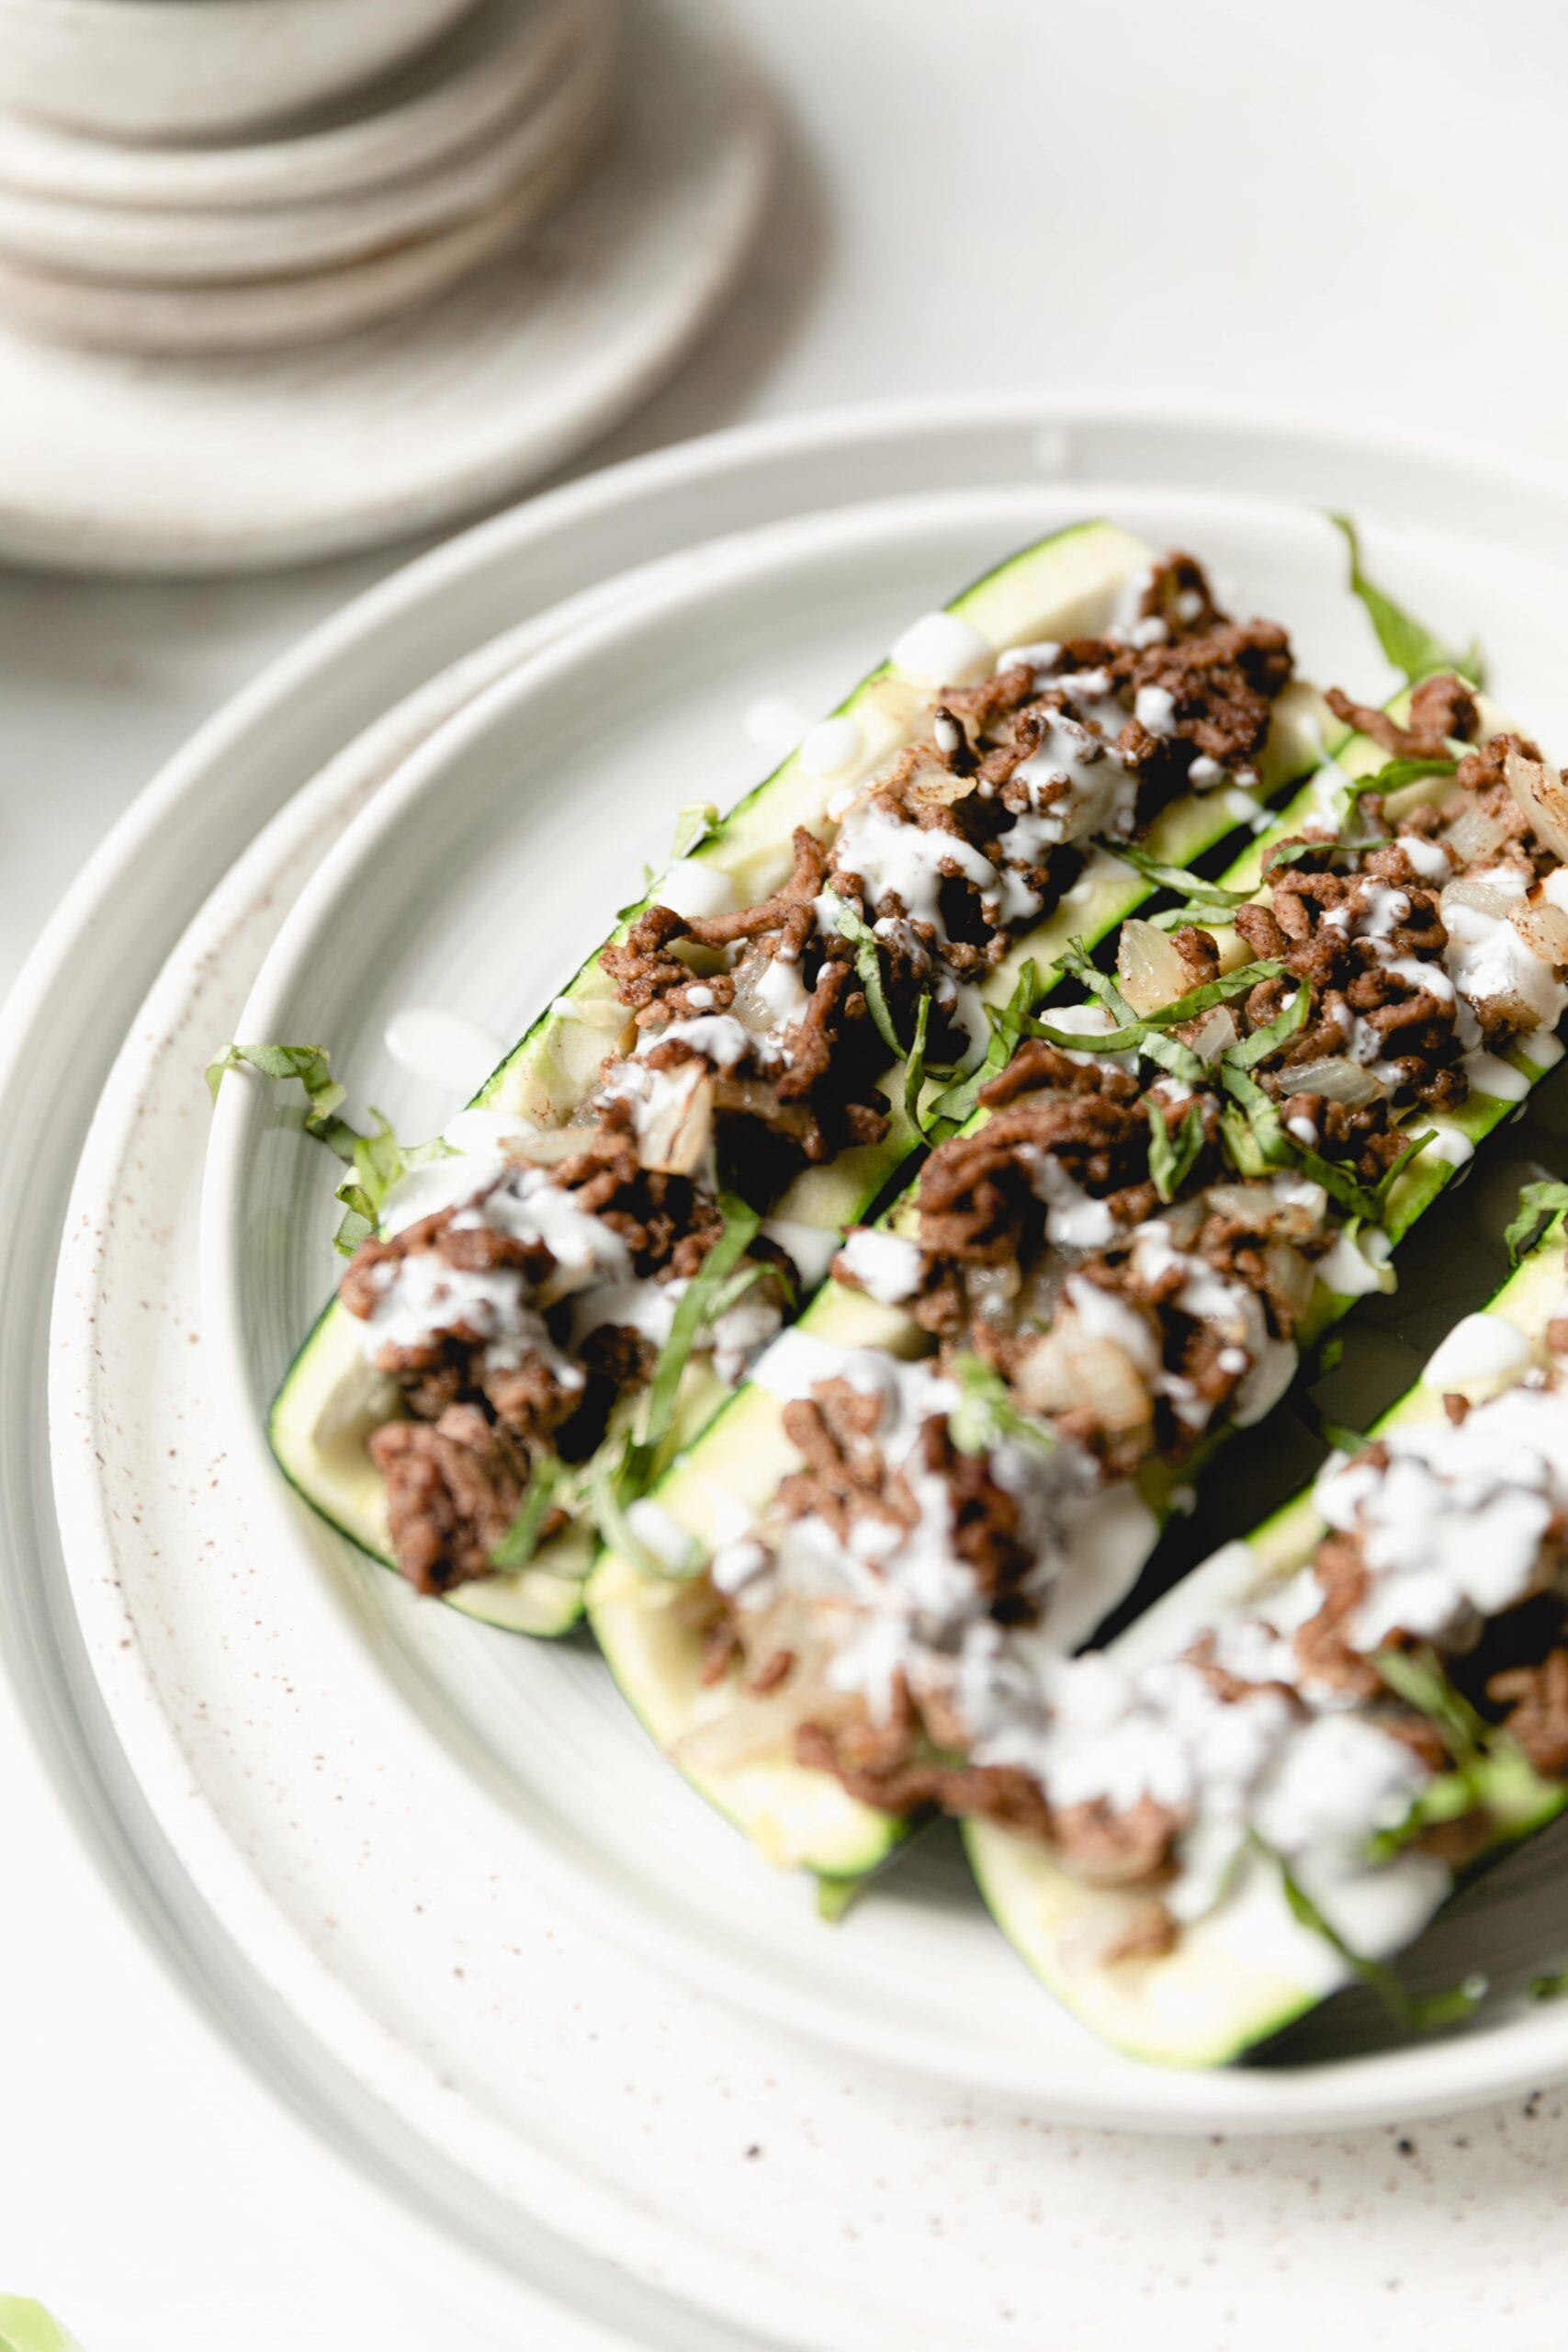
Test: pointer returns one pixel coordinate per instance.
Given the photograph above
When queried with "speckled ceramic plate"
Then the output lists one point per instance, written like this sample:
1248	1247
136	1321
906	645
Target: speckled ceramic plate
519	808
675	2175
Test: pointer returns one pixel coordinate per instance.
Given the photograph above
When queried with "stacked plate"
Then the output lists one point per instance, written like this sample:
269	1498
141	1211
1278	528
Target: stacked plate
222	354
315	226
434	1880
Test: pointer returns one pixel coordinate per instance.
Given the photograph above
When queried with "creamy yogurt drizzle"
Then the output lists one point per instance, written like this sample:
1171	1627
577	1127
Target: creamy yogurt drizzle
906	1603
1450	1531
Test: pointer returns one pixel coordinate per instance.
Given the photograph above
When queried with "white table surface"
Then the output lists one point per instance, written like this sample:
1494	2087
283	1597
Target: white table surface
1354	212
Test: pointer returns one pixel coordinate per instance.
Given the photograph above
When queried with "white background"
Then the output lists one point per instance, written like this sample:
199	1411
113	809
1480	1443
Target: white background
1345	211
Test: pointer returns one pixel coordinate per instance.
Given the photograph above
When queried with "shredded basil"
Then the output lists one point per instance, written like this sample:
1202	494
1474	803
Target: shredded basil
378	1160
1256	1048
957	1102
1171	1156
1297	852
311	1065
521	1541
1178	878
915	1070
834	1896
693	824
1139	1031
1550	1987
1407	642
615	1485
741	1225
1415	2012
1539	1202
1395	774
1491	1772
986	1413
868	965
616	1530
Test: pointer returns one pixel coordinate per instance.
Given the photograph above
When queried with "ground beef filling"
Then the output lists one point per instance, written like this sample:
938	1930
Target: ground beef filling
964	803
457	1467
992	1279
904	1755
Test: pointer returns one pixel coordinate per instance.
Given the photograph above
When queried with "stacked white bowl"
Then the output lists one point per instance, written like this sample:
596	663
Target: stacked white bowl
205	175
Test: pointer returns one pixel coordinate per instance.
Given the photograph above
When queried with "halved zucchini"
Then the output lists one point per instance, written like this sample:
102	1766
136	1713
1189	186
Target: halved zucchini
1065	585
1249	1967
744	1452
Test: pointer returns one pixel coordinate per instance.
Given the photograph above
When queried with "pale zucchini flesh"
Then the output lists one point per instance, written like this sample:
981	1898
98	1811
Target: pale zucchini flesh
1065	585
1248	1969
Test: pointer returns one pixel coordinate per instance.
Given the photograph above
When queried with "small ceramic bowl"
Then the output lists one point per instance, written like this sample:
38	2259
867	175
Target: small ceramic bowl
450	99
190	68
277	312
138	245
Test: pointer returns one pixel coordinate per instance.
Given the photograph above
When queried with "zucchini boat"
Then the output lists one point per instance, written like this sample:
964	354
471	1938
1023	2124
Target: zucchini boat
1153	1329
1322	1729
693	1029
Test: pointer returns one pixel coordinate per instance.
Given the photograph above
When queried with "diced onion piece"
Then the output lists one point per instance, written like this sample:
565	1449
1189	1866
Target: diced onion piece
677	1140
939	786
1148	967
1292	1277
1337	1079
550	1146
1544	929
1215	1034
1473	833
1494	891
1538	788
1066	1371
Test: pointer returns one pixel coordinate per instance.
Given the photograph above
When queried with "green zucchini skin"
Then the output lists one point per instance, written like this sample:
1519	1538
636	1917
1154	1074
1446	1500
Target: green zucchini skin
1248	1969
744	1452
328	1400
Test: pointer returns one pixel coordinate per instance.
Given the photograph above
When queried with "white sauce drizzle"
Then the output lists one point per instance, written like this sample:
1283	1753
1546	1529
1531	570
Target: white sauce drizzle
444	1049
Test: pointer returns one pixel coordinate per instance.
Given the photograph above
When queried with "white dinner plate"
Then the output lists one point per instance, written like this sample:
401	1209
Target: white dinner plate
476	882
967	2214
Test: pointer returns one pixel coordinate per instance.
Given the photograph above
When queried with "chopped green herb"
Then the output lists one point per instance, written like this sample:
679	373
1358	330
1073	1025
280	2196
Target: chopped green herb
1492	1773
1274	1034
311	1065
1539	1204
1171	1156
1297	852
1394	774
1416	2012
741	1224
1140	1033
834	1896
956	1102
521	1541
1550	1987
378	1160
1192	887
616	1528
1409	645
868	965
1253	1129
915	1076
693	824
986	1413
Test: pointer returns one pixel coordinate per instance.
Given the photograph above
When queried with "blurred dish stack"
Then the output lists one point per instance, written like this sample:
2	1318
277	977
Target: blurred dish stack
236	174
284	277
